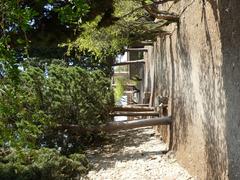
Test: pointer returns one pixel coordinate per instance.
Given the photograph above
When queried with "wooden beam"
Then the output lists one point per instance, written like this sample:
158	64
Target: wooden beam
143	43
147	43
148	113
123	74
117	125
133	108
129	62
136	49
123	125
130	92
127	85
143	105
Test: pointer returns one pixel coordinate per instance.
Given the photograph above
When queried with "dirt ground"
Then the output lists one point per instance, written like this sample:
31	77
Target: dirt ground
135	154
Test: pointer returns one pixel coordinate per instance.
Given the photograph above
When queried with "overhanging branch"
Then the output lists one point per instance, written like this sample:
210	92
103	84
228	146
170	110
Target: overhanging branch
161	14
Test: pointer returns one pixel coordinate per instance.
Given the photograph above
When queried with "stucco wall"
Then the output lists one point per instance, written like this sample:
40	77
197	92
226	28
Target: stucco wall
198	68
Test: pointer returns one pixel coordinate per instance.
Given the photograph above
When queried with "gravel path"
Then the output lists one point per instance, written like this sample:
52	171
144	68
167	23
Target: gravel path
135	155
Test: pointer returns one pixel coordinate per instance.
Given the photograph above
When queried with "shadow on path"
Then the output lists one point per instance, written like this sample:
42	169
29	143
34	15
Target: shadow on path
124	146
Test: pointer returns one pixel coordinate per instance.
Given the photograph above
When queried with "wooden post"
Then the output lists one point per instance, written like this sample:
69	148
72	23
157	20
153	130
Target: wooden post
133	108
148	113
146	97
129	62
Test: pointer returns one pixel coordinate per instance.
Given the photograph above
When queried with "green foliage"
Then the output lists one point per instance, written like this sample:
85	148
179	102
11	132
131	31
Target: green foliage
106	41
76	96
100	42
42	164
119	89
121	69
132	25
124	7
16	17
66	95
20	108
73	12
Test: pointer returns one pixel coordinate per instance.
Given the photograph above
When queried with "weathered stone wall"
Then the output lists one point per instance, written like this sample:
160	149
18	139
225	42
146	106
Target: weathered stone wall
198	68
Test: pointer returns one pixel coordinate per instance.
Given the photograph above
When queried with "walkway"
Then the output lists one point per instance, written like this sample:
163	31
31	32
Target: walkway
135	155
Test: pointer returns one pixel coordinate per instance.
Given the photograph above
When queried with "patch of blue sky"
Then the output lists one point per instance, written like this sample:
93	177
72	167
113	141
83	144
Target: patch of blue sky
48	7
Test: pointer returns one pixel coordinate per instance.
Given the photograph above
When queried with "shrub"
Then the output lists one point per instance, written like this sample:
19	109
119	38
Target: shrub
42	164
42	99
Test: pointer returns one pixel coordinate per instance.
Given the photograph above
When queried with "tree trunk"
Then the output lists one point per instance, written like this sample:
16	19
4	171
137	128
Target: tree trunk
135	113
133	108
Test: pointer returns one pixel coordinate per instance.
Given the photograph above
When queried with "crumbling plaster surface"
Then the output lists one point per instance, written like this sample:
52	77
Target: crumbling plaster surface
198	68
